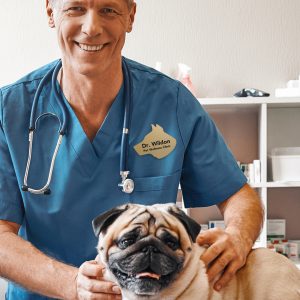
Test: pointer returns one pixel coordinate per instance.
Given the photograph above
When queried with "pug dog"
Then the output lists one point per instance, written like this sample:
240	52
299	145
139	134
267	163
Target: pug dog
150	252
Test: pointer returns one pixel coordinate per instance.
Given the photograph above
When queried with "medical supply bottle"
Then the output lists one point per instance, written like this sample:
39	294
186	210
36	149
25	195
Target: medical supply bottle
184	76
158	66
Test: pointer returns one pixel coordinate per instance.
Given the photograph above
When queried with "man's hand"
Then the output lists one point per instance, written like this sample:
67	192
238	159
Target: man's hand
92	285
228	249
226	254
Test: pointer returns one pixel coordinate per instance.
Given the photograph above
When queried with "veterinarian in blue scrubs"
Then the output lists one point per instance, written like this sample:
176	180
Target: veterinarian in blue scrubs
171	140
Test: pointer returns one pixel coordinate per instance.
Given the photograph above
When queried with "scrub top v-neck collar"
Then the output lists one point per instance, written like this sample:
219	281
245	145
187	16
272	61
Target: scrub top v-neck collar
90	153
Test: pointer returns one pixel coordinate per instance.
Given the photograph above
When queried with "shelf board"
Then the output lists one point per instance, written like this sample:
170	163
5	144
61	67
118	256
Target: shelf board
279	184
250	101
275	184
257	185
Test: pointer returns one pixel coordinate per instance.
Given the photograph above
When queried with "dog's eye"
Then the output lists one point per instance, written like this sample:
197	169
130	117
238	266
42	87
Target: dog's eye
123	244
172	244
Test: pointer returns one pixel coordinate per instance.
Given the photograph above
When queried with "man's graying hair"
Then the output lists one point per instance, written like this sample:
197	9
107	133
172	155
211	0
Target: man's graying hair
129	2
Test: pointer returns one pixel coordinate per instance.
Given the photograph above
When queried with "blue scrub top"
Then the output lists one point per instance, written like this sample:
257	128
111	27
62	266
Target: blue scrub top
86	175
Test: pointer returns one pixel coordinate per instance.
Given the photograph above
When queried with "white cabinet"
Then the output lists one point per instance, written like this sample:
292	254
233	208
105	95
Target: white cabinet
252	127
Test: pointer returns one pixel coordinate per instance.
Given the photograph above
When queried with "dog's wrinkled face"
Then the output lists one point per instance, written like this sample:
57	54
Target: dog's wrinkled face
145	247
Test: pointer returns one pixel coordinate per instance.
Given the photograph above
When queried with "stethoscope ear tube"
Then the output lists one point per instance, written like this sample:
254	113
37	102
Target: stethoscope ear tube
33	124
45	189
126	184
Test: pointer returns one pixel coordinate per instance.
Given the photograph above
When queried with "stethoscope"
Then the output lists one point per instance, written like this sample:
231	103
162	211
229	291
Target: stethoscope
127	184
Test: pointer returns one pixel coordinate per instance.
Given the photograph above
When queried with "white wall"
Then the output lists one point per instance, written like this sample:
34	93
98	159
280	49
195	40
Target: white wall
3	285
229	43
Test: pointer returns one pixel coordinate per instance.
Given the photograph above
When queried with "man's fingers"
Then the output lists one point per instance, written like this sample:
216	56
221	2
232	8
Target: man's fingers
100	296
97	286
91	269
209	237
212	253
218	265
230	271
206	238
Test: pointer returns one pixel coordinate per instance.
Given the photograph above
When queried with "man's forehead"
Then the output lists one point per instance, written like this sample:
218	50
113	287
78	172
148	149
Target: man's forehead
90	1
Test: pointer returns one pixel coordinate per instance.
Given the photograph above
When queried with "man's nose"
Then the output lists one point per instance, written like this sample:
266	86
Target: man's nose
92	25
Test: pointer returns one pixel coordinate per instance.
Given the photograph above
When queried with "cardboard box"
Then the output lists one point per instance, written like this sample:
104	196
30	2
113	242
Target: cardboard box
276	229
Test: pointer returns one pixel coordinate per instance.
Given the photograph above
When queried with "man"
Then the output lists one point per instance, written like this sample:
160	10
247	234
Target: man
53	255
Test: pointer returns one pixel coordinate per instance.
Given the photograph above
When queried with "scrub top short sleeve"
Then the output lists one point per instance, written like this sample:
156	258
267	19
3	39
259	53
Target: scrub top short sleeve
210	173
11	205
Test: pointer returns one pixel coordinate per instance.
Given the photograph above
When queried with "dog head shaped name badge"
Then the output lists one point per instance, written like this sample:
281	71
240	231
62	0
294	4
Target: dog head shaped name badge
156	143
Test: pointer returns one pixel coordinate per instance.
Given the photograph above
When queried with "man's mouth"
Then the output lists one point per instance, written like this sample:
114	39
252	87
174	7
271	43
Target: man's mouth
90	48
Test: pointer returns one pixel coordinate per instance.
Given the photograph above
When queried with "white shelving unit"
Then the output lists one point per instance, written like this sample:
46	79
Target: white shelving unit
269	123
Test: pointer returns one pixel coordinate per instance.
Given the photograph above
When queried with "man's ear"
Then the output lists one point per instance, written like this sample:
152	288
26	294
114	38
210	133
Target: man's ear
49	9
131	17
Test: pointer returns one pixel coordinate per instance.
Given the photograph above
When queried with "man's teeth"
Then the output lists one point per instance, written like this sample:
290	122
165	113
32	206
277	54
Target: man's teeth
90	47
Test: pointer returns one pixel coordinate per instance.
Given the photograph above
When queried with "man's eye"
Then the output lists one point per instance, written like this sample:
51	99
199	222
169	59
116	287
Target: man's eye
74	10
108	11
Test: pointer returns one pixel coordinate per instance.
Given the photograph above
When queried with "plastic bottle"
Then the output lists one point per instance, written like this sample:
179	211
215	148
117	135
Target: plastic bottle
184	76
158	66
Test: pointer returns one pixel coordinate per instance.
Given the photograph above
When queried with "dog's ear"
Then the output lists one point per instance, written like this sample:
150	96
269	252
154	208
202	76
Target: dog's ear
191	226
101	222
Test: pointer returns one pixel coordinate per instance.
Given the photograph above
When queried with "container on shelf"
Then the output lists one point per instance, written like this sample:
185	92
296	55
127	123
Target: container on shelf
285	164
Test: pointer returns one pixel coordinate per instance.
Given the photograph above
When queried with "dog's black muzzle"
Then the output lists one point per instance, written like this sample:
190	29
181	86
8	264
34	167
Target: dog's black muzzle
147	255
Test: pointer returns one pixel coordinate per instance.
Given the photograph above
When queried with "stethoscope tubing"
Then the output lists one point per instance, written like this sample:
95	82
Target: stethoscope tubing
126	121
52	72
33	125
127	185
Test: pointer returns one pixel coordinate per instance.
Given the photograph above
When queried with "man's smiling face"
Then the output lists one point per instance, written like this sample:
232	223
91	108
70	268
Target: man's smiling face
91	33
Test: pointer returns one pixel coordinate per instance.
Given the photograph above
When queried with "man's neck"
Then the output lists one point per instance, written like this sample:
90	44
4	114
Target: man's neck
91	93
91	96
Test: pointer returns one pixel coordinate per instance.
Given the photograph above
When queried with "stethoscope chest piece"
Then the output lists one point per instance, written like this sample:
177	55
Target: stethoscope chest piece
127	184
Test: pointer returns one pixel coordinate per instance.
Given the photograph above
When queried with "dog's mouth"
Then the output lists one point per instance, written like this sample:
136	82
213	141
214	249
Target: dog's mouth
145	274
144	282
148	275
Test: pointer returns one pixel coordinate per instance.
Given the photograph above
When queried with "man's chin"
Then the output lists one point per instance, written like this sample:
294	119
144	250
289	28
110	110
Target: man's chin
89	68
85	64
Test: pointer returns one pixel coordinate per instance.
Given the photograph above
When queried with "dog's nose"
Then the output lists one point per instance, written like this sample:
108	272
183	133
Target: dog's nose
150	248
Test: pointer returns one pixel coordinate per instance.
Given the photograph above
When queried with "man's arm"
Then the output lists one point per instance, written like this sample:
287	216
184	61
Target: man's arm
228	249
27	266
22	263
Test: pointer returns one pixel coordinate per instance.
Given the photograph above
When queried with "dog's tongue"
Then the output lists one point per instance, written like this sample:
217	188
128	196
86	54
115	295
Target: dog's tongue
148	274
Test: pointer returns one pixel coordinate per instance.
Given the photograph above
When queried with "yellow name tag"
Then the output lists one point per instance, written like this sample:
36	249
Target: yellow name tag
157	143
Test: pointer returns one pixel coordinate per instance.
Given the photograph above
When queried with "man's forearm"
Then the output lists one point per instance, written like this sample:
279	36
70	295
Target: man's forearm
244	214
22	263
